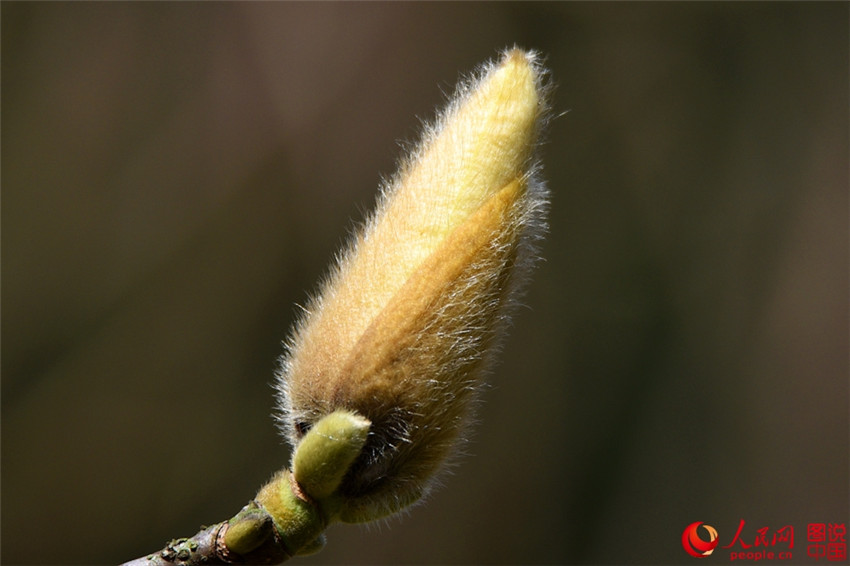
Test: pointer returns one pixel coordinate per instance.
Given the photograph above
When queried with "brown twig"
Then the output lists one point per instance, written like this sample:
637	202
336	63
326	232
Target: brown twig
249	537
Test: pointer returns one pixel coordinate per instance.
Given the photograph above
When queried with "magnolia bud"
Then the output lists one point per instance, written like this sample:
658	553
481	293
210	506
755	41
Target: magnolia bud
403	327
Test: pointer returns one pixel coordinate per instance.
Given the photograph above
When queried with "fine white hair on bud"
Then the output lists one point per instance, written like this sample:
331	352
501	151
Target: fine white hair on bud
411	314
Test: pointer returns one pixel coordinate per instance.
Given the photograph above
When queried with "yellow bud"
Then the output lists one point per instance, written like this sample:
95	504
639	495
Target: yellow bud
403	327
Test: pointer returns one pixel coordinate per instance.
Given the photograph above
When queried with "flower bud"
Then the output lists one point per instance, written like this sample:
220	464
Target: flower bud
404	326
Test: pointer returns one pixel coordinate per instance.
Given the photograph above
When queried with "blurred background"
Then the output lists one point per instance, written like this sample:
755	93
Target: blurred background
177	176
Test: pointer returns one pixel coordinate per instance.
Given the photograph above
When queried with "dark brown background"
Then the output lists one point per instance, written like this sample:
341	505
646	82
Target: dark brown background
176	176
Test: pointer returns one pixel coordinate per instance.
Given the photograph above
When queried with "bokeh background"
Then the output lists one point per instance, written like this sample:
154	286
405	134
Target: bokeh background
176	176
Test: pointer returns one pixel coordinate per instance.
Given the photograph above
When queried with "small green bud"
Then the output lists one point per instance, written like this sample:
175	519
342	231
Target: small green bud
248	530
326	452
298	522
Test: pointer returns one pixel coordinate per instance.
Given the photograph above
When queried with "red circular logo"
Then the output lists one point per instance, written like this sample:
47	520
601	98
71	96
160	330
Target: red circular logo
696	546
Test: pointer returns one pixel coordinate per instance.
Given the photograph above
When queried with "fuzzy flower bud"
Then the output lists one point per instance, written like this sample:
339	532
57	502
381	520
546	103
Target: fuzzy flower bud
403	327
